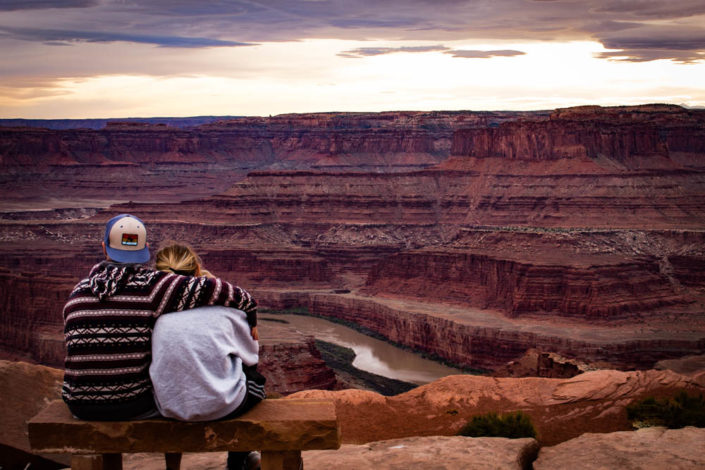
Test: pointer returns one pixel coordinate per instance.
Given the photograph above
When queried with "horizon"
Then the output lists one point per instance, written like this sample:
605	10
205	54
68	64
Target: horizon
79	59
244	116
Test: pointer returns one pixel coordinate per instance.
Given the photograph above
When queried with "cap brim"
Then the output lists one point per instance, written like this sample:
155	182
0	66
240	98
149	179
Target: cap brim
124	256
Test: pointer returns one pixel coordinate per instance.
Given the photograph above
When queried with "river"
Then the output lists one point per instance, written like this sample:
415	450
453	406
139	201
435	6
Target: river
371	355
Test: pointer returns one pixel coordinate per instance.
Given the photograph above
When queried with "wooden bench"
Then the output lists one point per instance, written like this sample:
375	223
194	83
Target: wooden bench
280	429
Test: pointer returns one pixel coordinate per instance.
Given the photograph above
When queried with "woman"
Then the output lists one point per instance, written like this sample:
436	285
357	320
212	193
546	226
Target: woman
204	359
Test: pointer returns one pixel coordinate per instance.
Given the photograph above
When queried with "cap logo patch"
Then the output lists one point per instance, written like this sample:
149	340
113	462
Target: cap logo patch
129	239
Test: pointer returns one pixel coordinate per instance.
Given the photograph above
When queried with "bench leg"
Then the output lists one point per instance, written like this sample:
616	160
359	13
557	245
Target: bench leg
96	462
282	460
173	460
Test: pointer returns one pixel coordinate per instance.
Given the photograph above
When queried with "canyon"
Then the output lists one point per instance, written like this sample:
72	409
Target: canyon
469	237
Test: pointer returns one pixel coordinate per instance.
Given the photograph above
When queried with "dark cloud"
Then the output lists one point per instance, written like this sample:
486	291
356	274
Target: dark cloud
470	54
680	39
624	25
466	54
646	55
373	51
14	5
649	9
57	37
653	42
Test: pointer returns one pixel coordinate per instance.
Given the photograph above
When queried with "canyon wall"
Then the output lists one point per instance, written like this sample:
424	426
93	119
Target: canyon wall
157	162
593	291
364	138
486	341
490	197
587	218
656	137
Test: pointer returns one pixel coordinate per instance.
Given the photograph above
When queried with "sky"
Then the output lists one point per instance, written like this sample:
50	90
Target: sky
125	58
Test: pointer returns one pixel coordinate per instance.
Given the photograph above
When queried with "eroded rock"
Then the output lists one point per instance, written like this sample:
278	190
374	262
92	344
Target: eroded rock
560	409
674	449
435	452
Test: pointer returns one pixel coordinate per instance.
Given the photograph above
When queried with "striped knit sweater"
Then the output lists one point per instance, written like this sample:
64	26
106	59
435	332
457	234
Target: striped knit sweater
108	321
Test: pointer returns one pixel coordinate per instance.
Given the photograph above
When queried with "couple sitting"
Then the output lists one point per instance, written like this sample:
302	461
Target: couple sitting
174	341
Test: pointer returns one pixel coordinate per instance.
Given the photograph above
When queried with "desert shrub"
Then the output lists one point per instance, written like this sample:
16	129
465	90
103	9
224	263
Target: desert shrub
511	425
676	412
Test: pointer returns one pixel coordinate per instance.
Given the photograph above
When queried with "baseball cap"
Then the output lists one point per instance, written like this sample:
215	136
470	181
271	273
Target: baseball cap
126	239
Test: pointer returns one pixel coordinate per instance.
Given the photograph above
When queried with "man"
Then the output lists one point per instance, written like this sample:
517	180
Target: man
109	319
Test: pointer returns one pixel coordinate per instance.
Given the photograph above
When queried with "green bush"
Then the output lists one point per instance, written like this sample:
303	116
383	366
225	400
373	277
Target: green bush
512	425
677	412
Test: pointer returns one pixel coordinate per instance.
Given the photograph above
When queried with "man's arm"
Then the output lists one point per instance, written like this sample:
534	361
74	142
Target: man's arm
186	292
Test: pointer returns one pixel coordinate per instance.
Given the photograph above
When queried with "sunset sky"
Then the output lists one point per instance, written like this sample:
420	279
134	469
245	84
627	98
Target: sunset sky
124	58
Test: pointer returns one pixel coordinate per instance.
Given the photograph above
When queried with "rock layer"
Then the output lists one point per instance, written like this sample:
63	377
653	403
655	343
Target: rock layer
678	449
291	362
560	409
485	339
589	218
659	136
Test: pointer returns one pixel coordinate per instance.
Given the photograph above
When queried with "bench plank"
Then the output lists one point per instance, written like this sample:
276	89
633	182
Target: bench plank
272	425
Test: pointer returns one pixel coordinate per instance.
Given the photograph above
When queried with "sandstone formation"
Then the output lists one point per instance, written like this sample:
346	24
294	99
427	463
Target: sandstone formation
291	362
486	339
638	137
25	389
438	452
469	236
560	409
685	365
153	161
331	137
434	452
677	449
539	364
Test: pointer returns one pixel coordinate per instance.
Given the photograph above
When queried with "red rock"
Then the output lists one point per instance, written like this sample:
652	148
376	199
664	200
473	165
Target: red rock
486	339
677	449
291	362
25	389
588	291
560	409
433	452
588	218
656	137
537	364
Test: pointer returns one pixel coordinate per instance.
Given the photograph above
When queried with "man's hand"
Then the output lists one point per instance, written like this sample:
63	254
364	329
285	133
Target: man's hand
255	333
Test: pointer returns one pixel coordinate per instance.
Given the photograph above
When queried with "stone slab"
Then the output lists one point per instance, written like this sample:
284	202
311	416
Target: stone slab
433	452
656	447
273	425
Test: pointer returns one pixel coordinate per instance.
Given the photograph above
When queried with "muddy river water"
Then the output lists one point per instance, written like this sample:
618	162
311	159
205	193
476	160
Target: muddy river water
371	355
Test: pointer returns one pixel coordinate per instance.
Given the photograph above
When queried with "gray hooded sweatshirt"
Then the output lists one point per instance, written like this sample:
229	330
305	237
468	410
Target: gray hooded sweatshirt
197	359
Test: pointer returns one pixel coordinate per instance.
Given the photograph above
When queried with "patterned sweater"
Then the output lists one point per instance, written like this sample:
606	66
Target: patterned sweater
109	319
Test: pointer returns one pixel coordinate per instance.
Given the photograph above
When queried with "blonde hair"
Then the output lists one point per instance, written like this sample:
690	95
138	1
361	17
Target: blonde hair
180	258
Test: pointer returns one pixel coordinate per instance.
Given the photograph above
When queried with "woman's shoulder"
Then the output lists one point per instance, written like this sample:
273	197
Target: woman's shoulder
208	313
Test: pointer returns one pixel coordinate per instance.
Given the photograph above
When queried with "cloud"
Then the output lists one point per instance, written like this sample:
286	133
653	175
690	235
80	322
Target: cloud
460	53
60	37
373	51
649	9
646	55
470	54
654	42
194	23
14	5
